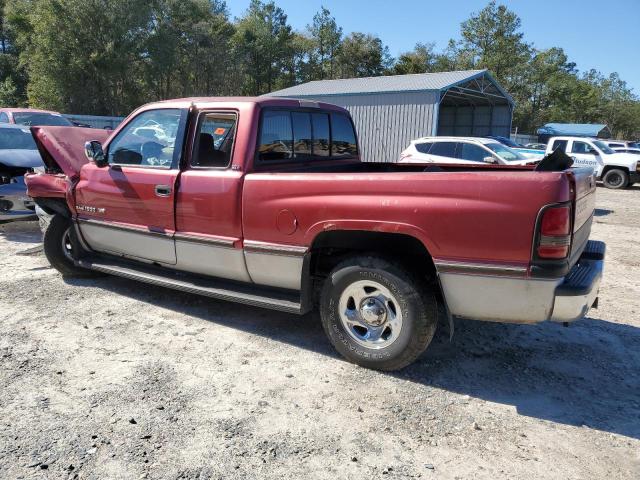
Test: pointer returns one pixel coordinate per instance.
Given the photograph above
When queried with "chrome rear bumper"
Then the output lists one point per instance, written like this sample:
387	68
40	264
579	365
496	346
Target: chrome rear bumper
15	204
502	296
579	291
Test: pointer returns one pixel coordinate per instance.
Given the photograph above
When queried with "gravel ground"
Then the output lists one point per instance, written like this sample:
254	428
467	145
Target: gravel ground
111	379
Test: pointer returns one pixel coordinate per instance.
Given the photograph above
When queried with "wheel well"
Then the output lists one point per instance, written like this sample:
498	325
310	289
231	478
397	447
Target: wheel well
53	206
331	248
613	167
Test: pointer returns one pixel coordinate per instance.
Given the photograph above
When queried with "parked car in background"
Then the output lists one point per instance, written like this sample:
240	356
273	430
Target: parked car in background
265	201
536	146
462	150
632	151
615	170
615	144
33	117
533	152
18	155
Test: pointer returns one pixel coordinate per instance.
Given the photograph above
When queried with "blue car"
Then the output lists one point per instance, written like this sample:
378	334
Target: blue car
511	144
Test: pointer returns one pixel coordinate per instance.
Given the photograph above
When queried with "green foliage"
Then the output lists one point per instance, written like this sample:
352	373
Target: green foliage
109	56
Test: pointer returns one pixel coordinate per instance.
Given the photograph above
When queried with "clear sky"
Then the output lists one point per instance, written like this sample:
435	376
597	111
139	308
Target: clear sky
604	35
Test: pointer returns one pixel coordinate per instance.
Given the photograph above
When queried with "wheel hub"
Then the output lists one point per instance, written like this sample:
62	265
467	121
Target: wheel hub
373	312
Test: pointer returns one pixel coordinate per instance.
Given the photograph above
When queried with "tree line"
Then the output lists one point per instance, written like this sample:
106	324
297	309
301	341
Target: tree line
105	57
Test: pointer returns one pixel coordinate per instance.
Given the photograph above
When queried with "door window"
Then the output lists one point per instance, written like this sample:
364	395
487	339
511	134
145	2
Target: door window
472	153
444	149
582	147
152	139
214	141
4	118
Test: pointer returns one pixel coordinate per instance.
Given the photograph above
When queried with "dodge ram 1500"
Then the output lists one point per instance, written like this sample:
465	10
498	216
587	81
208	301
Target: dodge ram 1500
265	201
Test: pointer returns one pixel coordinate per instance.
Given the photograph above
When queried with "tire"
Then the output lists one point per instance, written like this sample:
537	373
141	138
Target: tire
395	318
57	247
616	179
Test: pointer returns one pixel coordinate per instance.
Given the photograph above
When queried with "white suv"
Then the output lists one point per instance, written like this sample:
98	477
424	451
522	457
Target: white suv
463	150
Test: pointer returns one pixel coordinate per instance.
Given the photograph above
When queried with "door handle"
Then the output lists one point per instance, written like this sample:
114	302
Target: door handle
163	190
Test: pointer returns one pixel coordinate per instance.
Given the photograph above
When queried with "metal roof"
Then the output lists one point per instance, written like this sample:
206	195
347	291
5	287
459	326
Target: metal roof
574	129
387	84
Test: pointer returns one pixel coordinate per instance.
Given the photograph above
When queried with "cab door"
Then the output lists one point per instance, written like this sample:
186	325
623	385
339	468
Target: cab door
127	207
209	208
586	155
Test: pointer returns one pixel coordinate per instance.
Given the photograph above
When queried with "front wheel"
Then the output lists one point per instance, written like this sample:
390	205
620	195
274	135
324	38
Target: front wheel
58	247
616	179
376	314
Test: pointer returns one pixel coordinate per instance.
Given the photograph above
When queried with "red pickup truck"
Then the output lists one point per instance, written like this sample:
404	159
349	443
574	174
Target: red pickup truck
265	201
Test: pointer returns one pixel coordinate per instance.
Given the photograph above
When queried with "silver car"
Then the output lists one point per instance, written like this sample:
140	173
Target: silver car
18	155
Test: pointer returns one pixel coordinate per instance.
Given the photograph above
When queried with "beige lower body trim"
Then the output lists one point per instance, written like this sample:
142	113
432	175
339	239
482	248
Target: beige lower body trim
275	265
499	299
129	242
212	260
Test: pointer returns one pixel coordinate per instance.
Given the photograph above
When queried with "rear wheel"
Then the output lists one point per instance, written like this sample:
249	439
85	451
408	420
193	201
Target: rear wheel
58	247
616	179
376	314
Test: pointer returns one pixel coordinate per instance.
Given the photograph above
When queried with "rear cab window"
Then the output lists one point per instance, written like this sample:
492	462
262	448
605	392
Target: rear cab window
290	135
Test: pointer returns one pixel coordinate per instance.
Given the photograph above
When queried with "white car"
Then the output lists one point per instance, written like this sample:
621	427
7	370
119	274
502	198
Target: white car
463	150
615	170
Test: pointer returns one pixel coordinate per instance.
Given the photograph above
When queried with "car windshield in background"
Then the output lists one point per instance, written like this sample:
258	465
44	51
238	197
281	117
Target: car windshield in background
604	147
505	152
41	119
16	139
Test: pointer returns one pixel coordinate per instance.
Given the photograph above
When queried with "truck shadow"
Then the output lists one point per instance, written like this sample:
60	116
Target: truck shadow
586	375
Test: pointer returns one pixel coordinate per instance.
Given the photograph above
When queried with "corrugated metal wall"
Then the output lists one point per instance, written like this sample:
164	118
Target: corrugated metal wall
386	123
474	121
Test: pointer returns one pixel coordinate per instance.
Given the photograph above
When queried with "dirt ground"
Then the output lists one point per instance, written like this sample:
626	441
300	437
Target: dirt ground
111	379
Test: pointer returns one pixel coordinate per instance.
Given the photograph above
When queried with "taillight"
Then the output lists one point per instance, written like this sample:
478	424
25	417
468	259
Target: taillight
404	155
555	233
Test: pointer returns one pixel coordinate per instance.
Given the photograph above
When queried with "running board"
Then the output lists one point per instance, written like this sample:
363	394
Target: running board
249	294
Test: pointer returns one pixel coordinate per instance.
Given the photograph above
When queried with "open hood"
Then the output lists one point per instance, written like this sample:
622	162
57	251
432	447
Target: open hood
62	148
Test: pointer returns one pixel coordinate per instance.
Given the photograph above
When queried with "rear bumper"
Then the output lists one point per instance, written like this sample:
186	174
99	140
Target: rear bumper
579	291
501	296
15	204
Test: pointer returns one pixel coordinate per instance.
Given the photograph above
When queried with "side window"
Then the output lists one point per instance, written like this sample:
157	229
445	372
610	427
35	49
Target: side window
302	138
471	152
423	147
444	149
561	144
276	138
4	118
214	141
616	145
343	136
152	139
581	147
321	135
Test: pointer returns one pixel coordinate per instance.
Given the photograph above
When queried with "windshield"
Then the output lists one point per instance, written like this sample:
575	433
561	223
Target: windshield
16	139
505	152
41	119
603	147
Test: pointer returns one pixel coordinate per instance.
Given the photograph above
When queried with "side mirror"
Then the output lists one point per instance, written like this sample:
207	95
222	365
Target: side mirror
93	151
489	160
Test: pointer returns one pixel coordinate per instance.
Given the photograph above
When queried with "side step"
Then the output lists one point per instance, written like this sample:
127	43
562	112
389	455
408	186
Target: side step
265	297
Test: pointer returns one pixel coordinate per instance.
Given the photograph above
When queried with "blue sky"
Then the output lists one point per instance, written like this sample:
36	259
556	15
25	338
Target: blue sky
605	38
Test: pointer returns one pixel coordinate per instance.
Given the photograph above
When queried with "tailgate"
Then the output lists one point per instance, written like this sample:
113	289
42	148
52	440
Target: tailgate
584	204
62	148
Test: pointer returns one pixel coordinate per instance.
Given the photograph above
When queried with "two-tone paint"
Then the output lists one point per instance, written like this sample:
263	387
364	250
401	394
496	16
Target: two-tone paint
256	224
